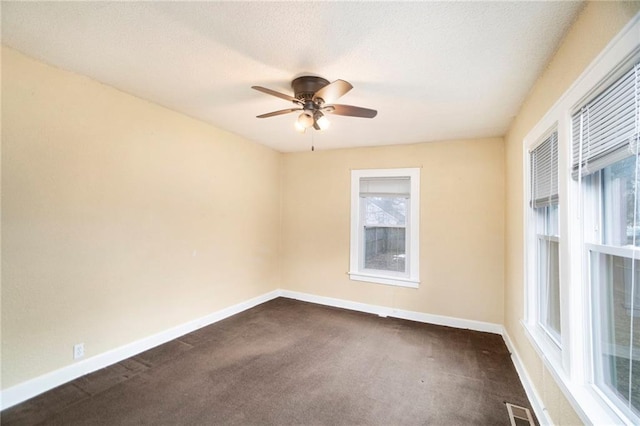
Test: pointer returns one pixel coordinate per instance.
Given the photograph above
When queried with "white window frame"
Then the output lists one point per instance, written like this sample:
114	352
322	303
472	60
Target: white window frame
594	244
537	302
356	269
573	367
549	344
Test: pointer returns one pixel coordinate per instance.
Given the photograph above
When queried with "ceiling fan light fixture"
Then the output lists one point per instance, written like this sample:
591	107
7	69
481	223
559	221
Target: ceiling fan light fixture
305	120
322	121
299	126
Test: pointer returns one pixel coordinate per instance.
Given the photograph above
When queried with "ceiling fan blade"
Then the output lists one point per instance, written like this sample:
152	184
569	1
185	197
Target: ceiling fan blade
333	91
351	111
282	111
277	94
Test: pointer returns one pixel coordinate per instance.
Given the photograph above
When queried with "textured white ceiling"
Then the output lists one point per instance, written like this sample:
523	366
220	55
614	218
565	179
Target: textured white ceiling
433	70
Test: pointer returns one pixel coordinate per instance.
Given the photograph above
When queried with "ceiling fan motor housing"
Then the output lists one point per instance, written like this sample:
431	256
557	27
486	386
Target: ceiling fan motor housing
306	86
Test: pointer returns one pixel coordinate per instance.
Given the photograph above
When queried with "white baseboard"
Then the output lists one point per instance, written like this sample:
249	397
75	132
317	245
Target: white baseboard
527	384
384	311
25	390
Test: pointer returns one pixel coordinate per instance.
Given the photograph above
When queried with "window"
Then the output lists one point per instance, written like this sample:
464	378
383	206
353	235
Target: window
605	141
582	236
385	226
545	257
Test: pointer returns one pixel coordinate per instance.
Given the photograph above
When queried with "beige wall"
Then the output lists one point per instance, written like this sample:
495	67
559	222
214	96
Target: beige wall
120	218
462	226
598	23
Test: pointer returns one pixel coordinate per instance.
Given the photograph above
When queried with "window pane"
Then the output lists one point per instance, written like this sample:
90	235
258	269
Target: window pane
552	220
549	284
389	211
547	220
619	183
548	270
616	283
385	248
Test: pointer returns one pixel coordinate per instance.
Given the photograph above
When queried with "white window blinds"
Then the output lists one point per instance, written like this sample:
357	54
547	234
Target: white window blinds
385	186
605	130
544	172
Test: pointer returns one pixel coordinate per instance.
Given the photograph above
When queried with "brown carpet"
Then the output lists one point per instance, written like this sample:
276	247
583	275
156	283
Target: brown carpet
289	362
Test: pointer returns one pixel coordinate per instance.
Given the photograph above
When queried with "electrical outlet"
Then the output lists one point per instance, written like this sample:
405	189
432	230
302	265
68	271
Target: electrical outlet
78	351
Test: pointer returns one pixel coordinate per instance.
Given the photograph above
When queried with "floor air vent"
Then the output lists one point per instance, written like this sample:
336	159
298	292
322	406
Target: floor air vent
519	416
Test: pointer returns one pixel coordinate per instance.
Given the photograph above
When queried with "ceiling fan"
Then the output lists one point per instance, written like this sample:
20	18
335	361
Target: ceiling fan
314	97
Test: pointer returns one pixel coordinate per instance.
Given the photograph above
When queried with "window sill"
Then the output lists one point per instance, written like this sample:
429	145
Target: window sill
583	397
381	279
548	351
